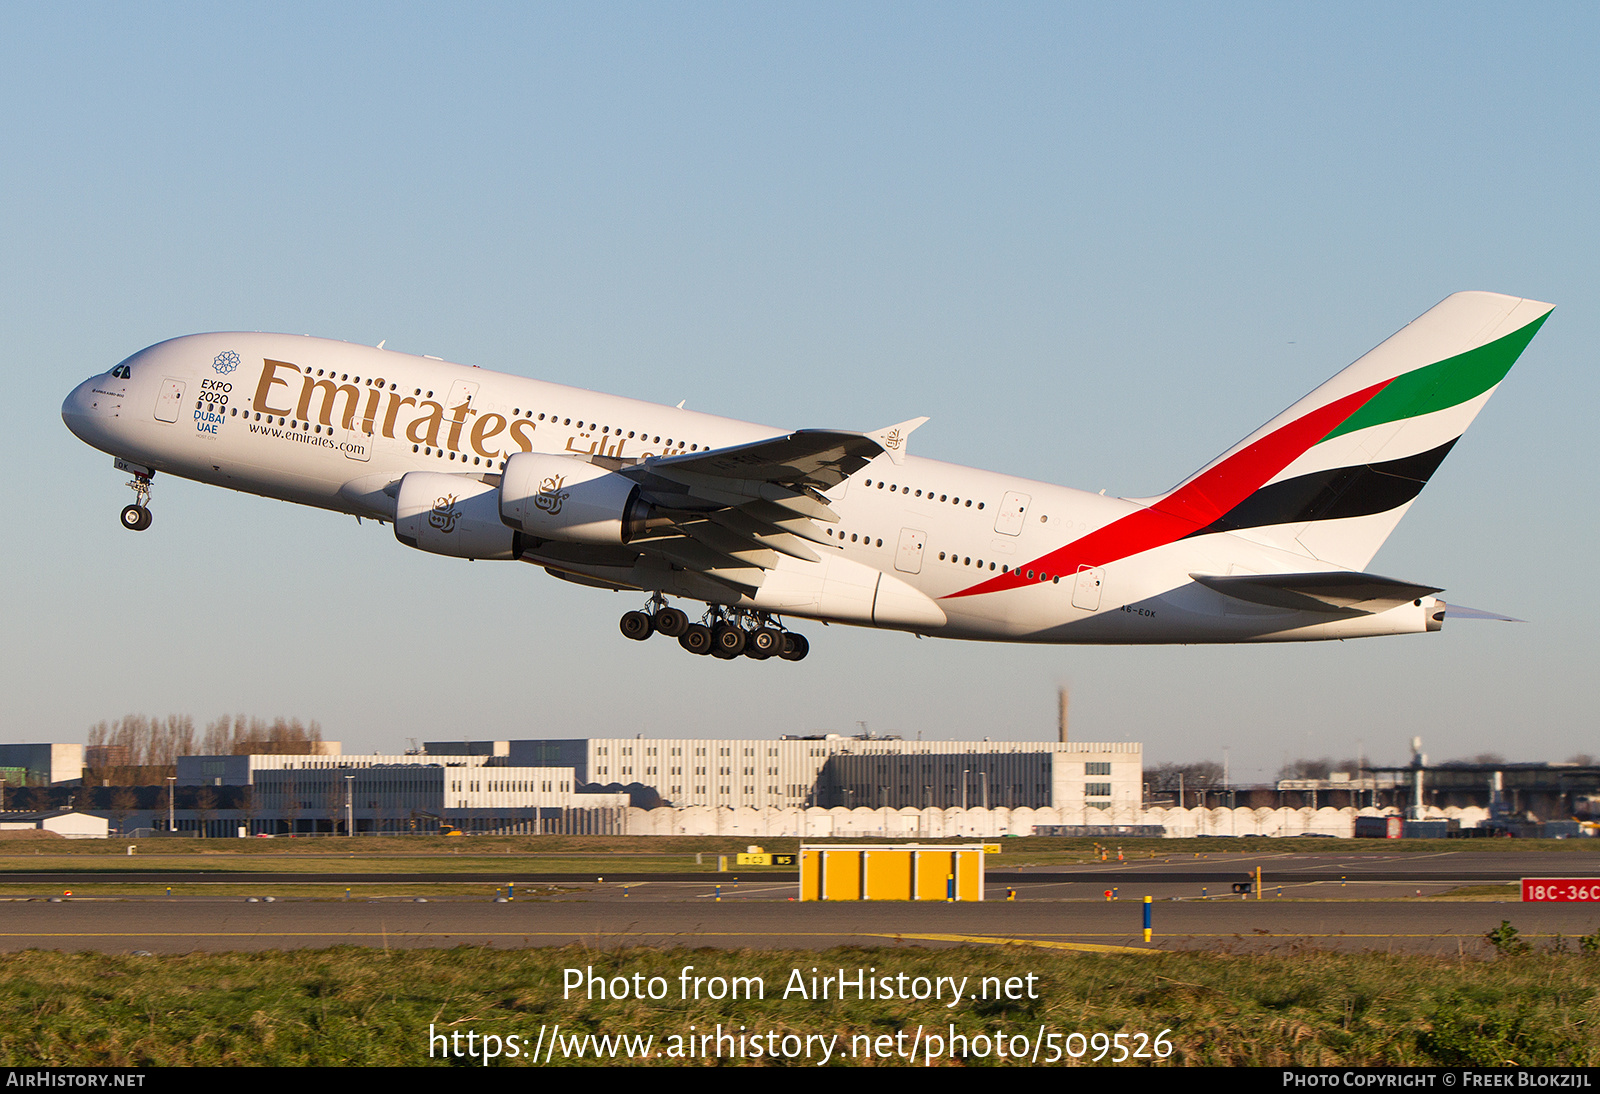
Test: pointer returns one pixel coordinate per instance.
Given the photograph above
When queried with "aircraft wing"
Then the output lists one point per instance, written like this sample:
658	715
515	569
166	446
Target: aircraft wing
728	513
1338	591
818	459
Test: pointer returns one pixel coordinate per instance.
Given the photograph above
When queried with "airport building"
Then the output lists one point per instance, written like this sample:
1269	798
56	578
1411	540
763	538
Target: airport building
40	764
796	785
830	771
817	785
399	793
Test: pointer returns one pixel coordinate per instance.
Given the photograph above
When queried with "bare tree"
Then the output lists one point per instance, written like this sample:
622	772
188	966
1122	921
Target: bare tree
123	803
290	808
205	807
137	750
1306	769
333	807
249	810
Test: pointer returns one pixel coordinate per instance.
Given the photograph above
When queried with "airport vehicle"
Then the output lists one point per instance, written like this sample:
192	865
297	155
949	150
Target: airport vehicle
1268	542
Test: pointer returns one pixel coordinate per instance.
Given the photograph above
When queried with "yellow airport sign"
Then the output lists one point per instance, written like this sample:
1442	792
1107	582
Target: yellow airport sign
902	871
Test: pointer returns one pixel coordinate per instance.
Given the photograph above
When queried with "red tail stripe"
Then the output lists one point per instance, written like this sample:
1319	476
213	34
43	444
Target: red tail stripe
1195	504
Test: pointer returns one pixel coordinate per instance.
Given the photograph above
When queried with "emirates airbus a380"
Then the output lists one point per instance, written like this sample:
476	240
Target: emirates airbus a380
1268	542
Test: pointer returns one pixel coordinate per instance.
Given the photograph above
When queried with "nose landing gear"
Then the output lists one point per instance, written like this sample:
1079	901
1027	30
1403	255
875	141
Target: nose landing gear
136	517
724	633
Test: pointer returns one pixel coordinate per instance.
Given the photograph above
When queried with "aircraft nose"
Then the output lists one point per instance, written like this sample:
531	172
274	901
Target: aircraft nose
77	409
88	410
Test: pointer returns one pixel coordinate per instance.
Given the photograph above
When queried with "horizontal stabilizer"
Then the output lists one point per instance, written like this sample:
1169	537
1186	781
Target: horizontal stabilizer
1332	591
1456	611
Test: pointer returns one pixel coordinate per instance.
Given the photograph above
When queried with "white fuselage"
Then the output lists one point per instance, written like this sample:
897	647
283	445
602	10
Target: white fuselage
336	425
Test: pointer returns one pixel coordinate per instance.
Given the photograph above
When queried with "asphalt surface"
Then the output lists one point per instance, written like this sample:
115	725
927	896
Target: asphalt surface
1364	901
697	920
1175	875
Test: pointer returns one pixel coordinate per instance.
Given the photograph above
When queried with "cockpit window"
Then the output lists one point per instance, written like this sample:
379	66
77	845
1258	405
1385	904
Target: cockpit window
122	372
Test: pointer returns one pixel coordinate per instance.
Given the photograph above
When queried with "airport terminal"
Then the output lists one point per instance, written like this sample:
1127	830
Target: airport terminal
816	785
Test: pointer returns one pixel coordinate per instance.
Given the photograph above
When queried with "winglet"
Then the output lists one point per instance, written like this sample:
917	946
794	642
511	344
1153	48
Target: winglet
892	439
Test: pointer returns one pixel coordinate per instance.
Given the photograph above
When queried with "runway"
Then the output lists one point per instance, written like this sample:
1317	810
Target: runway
1365	874
690	916
1343	901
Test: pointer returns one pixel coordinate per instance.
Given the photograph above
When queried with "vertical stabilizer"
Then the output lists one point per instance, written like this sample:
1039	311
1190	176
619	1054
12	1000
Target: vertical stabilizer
1331	476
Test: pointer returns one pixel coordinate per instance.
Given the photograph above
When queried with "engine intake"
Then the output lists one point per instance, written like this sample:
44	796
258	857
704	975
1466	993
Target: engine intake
456	515
558	497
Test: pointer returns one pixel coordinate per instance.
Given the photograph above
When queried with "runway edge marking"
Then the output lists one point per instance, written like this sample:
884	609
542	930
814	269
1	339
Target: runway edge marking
1088	947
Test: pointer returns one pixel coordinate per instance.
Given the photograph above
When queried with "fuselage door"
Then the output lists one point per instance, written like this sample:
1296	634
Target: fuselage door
170	401
1013	507
356	442
458	412
462	391
1086	589
908	556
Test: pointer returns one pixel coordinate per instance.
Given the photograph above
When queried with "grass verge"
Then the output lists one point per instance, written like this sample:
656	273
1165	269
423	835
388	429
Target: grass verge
1015	851
353	1006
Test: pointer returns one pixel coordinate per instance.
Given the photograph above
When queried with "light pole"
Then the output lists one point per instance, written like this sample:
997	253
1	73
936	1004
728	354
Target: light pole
172	781
349	805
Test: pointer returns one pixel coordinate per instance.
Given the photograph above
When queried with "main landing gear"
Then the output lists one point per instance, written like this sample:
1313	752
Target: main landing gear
725	633
136	517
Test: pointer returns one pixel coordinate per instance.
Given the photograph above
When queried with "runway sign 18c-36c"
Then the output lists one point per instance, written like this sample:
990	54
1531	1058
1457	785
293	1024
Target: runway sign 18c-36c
1560	888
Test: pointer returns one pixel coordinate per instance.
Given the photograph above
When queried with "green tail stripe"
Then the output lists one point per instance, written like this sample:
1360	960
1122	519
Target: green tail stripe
1442	384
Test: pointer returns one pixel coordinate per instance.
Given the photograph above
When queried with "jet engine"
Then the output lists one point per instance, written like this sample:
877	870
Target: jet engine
456	515
560	498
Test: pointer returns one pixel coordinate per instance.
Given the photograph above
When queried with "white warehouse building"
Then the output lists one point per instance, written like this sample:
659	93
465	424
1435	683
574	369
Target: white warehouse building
833	771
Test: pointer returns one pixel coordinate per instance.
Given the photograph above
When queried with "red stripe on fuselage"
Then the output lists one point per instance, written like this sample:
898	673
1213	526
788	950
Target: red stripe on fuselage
1190	507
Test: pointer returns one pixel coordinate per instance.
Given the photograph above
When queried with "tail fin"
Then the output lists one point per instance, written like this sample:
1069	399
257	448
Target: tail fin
1331	476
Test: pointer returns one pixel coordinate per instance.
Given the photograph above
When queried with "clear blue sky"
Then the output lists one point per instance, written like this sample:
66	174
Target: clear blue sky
1095	245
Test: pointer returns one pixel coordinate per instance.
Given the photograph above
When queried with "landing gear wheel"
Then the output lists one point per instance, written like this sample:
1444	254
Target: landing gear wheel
728	640
636	625
696	639
136	518
795	647
766	641
752	651
671	622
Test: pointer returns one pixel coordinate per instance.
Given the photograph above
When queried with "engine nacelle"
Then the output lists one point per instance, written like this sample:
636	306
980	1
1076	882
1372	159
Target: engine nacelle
558	497
455	515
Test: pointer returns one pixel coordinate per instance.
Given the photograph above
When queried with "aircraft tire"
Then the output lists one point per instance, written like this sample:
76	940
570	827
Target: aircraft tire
671	622
635	625
696	639
795	647
136	518
728	640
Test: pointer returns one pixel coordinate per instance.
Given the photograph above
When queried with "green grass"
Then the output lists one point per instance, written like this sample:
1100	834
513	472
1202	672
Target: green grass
654	853
1489	893
350	1006
343	863
330	890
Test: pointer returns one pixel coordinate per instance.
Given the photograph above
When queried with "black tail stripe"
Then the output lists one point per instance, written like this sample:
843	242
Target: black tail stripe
1330	495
